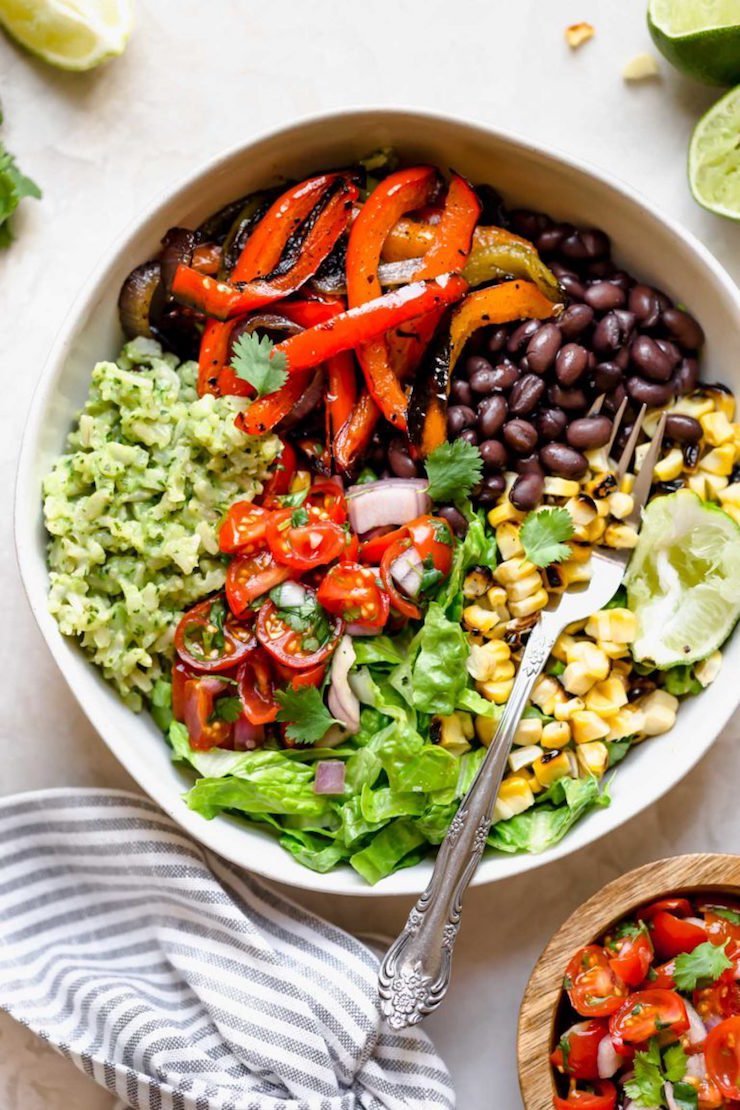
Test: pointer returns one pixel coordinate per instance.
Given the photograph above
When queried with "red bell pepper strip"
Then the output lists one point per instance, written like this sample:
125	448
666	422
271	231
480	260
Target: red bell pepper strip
268	411
453	235
351	441
214	353
400	192
342	392
223	300
279	481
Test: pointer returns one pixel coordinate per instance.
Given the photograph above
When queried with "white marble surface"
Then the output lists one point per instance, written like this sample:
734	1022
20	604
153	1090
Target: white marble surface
199	77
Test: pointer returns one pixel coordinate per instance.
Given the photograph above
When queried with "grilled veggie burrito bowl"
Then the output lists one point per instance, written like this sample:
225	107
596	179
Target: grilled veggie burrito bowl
359	436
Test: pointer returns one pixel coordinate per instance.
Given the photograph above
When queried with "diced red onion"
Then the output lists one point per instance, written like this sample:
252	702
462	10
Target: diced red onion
306	403
247	736
356	628
292	594
343	703
407	571
607	1059
329	777
388	501
696	1066
697	1031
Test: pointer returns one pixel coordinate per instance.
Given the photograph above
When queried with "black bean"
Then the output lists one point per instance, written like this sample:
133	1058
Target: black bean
484	380
670	350
520	435
492	411
455	519
474	363
561	271
526	395
603	268
575	320
613	400
643	301
607	375
573	247
459	417
529	224
551	423
524	365
470	436
527	491
596	242
521	336
569	399
573	287
542	348
564	461
649	393
682	327
622	358
527	464
649	359
607	334
604	295
589	432
622	280
496	341
494	454
461	393
570	363
491	489
691	456
682	429
687	376
505	374
400	461
549	240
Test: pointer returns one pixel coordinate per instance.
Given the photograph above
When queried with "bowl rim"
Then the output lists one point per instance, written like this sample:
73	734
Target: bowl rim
686	874
27	493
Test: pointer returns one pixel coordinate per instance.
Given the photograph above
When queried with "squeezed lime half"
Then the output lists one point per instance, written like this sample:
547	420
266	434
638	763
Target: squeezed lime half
699	37
683	582
714	157
69	34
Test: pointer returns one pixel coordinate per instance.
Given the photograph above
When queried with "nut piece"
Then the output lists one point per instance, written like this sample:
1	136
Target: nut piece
578	33
640	68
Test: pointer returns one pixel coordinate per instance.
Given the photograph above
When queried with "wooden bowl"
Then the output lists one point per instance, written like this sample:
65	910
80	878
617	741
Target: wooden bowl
541	1005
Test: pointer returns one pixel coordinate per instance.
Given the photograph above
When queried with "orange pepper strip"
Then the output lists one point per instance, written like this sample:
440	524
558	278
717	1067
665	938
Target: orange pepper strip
355	434
214	351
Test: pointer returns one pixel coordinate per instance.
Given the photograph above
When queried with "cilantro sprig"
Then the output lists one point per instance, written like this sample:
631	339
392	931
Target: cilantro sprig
703	966
453	469
256	361
305	714
543	535
652	1070
14	186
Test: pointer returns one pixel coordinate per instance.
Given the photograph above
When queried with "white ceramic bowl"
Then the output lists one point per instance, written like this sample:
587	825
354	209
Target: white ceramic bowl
645	241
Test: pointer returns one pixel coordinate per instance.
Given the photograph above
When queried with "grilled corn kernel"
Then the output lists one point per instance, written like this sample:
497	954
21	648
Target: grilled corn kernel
612	650
512	570
660	712
531	604
579	553
706	671
496	598
582	509
596	530
717	429
577	679
620	504
562	646
504	671
477	581
606	698
651	421
556	734
545	693
720	460
730	495
698	484
523	587
485	658
670	467
554	766
514	796
497	692
524	757
628	722
593	757
452	736
560	487
621	669
485	729
715	484
480	619
507	538
587	726
723	399
529	731
621	536
584	651
617	625
575	572
696	405
502	512
564	710
602	506
598	460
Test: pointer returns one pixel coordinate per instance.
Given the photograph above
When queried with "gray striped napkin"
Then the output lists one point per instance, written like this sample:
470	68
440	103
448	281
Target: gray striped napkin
177	981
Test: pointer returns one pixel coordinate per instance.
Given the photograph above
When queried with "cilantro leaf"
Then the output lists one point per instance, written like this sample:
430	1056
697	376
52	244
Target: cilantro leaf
228	709
255	361
543	534
685	1096
674	1063
304	711
14	186
453	469
646	1086
705	964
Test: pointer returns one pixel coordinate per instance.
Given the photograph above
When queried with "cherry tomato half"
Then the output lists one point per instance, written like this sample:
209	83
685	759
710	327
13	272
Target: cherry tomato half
311	676
243	529
297	649
578	1049
373	549
647	1013
327	498
400	603
256	689
723	925
205	729
593	988
300	539
352	592
602	1097
278	483
665	976
721	1000
722	1053
633	956
680	907
673	935
209	639
249	577
433	539
180	677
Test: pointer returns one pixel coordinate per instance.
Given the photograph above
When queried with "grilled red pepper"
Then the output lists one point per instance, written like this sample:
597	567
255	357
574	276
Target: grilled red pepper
355	434
401	192
214	353
453	235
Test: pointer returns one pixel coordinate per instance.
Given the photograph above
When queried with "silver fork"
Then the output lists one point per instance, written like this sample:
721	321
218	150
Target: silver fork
415	973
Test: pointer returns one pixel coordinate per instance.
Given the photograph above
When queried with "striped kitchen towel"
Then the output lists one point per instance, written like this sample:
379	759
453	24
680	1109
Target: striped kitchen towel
177	981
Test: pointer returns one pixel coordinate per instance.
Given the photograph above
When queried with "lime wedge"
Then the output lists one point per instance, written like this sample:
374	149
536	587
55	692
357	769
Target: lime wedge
683	583
699	37
714	157
69	34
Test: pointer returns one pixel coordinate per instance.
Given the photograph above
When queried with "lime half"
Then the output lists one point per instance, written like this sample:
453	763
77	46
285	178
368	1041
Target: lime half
714	157
683	582
69	34
699	37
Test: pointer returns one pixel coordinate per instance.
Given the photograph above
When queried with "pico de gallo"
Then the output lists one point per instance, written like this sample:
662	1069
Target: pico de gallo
654	1011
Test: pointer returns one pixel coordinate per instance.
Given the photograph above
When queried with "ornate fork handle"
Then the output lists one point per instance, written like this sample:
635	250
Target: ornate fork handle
415	973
